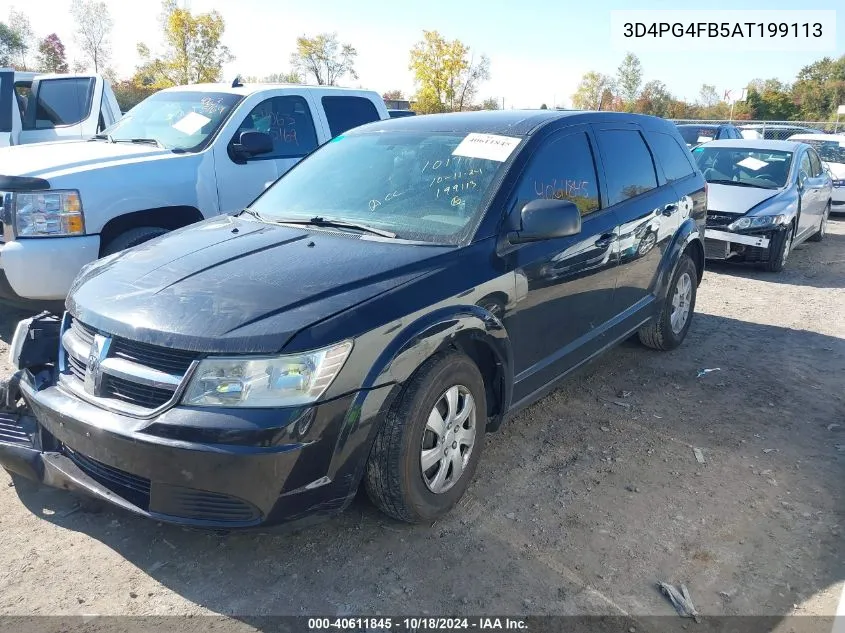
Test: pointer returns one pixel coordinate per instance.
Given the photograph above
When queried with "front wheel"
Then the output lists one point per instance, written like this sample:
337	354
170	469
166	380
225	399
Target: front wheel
780	253
673	322
426	452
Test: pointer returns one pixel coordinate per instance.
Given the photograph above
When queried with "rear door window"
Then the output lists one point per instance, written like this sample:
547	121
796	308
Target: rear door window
345	113
60	102
628	165
674	159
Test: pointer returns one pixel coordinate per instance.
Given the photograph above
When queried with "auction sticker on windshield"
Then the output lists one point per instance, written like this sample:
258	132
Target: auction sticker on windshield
487	146
191	123
752	163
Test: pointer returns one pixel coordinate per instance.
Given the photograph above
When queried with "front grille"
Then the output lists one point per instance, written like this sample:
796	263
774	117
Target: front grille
133	377
137	394
718	220
200	505
135	489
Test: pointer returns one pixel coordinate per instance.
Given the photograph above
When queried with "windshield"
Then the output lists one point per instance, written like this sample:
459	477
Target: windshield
411	184
767	169
694	134
176	120
829	151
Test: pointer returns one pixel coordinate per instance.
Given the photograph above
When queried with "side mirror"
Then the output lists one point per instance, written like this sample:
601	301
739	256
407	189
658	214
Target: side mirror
252	143
545	220
802	178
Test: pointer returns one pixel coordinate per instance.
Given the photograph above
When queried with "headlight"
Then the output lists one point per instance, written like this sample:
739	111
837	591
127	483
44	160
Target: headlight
756	222
52	213
278	381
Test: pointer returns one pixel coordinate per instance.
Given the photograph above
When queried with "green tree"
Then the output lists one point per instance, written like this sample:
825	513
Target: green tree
51	55
544	107
591	91
325	58
490	103
707	96
771	100
447	77
193	49
93	31
19	24
820	88
393	95
629	77
11	45
289	77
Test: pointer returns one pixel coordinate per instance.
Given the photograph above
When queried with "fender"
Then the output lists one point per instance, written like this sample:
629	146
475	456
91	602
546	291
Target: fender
686	234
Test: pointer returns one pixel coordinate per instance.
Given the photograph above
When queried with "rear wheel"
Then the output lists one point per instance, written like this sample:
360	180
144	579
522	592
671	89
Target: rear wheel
426	452
133	237
818	236
779	255
672	324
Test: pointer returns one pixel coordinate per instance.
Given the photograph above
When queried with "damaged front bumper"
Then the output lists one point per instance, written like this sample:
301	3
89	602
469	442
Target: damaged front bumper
212	468
749	246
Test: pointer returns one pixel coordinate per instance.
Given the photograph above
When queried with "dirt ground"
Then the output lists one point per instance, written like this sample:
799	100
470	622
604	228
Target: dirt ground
580	505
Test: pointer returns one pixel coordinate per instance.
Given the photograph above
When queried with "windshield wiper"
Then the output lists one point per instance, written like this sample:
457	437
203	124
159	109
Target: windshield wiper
103	137
253	213
738	183
144	141
340	224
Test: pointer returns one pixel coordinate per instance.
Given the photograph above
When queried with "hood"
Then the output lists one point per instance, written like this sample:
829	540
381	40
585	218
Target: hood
236	285
733	199
44	160
837	169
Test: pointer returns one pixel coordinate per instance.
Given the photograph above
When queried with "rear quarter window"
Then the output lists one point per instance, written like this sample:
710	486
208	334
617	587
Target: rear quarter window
345	113
675	160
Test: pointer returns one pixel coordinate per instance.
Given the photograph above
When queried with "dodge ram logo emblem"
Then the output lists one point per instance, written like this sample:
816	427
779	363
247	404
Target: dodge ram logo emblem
93	368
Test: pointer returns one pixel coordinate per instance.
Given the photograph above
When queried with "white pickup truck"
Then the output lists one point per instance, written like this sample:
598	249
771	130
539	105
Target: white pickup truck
35	108
181	155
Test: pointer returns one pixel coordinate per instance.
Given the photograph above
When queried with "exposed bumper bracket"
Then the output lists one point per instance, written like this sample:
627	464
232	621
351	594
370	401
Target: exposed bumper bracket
737	238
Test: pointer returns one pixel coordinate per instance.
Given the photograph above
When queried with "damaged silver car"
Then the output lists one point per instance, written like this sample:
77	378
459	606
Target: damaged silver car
764	198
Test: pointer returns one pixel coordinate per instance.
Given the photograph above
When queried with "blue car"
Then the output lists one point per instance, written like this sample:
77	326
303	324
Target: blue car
764	198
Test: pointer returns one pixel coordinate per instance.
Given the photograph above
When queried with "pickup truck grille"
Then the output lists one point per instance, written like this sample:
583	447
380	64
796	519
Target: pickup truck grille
120	374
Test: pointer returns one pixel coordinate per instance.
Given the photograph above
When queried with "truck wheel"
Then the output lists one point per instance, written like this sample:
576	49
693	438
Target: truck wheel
425	454
818	236
670	327
132	237
780	253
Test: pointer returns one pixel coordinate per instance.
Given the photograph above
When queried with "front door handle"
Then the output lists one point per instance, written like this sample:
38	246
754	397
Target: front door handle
605	240
669	209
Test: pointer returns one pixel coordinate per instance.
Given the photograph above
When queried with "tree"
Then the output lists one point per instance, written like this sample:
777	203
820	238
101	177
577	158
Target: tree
51	55
447	76
708	96
820	88
590	94
11	45
654	99
93	31
325	58
490	103
194	51
771	100
470	80
629	77
19	24
544	107
393	95
289	77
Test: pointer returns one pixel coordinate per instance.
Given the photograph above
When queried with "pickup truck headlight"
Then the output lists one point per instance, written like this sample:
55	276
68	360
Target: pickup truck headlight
278	381
756	222
52	213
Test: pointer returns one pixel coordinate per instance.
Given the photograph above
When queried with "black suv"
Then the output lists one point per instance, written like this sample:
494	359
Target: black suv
374	313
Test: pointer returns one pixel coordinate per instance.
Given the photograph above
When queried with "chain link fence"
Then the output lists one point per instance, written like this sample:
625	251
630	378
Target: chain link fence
775	130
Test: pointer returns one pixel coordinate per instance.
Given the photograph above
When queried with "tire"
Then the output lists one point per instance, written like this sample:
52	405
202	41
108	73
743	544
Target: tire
394	478
819	235
778	258
132	237
665	333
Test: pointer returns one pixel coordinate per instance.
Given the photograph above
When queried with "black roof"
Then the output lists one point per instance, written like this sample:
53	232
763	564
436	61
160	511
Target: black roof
505	122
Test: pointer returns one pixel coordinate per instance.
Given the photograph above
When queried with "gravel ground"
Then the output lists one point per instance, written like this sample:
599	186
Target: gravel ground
580	505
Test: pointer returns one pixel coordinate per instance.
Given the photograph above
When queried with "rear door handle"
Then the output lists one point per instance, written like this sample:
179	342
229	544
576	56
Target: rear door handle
669	209
605	240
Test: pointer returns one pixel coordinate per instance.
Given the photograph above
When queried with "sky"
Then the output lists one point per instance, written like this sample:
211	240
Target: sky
538	49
